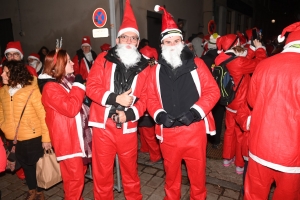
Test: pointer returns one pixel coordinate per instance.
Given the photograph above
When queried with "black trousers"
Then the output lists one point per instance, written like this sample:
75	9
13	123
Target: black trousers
218	113
28	153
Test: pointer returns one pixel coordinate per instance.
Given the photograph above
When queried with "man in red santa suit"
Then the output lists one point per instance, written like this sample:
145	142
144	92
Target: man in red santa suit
116	85
181	94
34	61
84	58
14	51
240	69
146	128
275	123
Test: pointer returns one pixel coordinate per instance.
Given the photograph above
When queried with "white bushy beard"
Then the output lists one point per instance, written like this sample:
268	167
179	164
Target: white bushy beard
35	66
172	54
128	56
89	56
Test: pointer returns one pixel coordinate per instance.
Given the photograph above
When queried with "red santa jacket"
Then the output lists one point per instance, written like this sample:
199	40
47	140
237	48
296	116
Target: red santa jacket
2	157
206	87
239	67
81	68
275	119
100	85
63	118
243	118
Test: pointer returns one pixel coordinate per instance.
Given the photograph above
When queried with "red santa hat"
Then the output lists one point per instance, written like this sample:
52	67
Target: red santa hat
169	27
129	22
242	38
105	47
226	42
249	33
149	52
86	41
293	37
14	47
34	56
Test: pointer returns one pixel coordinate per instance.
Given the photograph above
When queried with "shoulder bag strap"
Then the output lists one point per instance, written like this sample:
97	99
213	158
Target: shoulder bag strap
16	135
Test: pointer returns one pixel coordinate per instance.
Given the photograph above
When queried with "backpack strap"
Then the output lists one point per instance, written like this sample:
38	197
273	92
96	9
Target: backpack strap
227	60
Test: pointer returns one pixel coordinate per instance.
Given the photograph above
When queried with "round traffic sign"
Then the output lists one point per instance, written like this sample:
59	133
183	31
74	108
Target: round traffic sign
99	17
211	27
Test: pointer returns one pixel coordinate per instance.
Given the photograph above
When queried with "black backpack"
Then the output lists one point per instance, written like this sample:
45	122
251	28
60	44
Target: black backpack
225	82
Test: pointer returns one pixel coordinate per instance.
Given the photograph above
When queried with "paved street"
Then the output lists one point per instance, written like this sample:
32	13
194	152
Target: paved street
222	183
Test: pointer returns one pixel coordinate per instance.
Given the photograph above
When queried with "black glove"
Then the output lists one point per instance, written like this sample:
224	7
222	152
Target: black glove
165	119
188	117
79	79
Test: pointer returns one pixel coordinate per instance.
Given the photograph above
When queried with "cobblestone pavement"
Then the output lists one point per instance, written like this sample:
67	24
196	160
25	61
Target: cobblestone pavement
221	183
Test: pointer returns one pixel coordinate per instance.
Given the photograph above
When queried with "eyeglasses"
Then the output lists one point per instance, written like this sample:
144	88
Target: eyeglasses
9	55
126	38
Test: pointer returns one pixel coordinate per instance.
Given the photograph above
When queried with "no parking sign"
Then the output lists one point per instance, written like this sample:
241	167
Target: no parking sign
99	17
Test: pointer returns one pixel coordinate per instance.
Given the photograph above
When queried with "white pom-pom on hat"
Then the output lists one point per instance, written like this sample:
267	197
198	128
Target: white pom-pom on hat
156	8
280	38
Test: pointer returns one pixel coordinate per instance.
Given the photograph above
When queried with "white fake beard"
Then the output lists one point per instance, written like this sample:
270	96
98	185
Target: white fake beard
89	56
36	67
172	54
129	57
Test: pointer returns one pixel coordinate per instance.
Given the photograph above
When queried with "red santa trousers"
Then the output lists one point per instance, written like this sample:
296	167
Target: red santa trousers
233	137
187	143
106	144
72	172
259	179
149	142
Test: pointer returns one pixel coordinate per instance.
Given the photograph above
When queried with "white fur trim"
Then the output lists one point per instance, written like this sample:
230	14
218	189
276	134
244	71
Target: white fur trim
13	50
156	113
248	123
156	8
246	158
196	80
280	38
129	29
45	76
33	57
145	57
200	111
136	113
104	98
96	124
79	85
252	48
291	43
281	168
69	156
231	110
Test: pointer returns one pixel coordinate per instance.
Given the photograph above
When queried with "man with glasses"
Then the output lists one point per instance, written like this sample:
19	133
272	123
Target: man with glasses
116	84
84	58
14	51
181	93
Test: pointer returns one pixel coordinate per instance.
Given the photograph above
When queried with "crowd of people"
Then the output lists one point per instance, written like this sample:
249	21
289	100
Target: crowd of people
91	108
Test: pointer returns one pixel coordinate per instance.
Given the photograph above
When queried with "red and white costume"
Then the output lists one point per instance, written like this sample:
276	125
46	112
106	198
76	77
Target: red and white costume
64	123
240	67
274	129
108	140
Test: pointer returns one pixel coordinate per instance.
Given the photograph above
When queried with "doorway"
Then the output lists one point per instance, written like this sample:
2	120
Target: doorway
6	34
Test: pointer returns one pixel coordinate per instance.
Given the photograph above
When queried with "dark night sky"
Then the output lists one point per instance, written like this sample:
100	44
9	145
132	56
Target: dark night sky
285	12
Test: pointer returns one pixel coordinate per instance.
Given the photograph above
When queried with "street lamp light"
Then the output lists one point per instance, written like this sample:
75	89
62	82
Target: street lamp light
273	21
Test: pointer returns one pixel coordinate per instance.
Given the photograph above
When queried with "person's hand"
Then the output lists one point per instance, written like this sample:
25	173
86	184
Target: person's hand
257	43
124	99
79	79
165	119
122	116
186	118
46	145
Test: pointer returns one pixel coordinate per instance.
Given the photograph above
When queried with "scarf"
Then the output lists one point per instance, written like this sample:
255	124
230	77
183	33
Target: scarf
67	82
